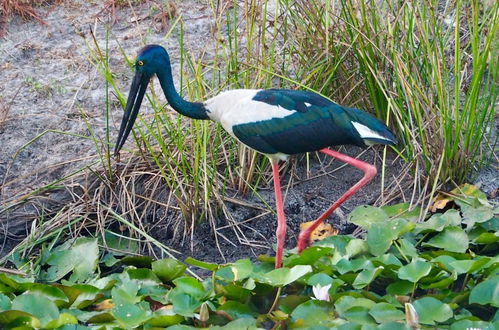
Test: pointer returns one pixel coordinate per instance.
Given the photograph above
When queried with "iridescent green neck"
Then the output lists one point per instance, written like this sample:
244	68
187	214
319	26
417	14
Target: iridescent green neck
193	110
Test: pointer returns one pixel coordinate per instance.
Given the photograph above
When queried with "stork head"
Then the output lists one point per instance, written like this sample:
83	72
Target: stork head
149	61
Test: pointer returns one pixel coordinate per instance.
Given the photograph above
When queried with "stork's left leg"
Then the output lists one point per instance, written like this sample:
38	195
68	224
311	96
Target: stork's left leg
369	173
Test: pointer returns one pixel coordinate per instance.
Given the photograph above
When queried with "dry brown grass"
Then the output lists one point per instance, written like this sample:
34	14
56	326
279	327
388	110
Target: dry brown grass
24	8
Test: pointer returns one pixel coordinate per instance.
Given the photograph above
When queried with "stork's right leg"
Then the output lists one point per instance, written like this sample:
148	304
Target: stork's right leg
369	173
281	220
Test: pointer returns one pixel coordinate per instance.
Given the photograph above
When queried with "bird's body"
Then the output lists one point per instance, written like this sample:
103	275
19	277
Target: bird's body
280	122
275	122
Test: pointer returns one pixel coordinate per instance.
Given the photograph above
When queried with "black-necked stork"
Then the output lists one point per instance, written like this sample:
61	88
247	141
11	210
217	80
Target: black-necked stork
275	122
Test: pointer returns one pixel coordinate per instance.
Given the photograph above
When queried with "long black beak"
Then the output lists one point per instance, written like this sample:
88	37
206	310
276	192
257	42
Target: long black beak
137	91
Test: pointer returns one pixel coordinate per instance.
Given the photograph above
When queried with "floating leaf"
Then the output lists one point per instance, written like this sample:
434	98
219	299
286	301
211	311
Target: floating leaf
439	222
132	315
320	279
64	319
400	288
81	258
344	265
233	291
472	325
388	260
308	256
445	281
365	216
38	305
384	312
183	303
339	243
366	276
52	292
85	295
5	303
414	271
486	292
242	324
168	269
344	303
445	262
431	310
284	276
486	238
144	276
358	314
379	238
236	310
126	293
190	285
313	313
470	197
491	225
469	266
407	248
165	317
93	317
452	239
402	210
355	247
236	271
393	326
477	215
18	318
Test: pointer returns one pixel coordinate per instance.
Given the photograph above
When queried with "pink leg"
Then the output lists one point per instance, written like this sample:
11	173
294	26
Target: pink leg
369	173
281	220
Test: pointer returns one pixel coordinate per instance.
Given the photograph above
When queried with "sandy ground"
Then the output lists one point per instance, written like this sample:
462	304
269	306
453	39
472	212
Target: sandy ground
48	85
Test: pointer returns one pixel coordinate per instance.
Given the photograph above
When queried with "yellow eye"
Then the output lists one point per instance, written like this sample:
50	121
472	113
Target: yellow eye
140	63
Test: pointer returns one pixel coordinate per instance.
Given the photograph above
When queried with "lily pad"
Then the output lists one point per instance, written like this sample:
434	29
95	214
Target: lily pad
366	276
284	276
312	313
236	310
168	269
191	286
132	315
38	305
384	312
453	239
365	216
402	210
308	257
165	317
81	258
414	271
439	222
236	271
431	310
486	292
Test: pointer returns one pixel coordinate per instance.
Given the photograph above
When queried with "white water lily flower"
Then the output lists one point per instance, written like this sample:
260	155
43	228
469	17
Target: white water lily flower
321	292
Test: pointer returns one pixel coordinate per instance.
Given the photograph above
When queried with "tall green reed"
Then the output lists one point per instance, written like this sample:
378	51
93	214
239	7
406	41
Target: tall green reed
429	68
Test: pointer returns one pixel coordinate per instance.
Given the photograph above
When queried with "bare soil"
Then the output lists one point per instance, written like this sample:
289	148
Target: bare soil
51	93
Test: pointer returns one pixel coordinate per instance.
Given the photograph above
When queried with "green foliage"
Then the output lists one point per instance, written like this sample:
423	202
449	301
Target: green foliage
410	62
435	270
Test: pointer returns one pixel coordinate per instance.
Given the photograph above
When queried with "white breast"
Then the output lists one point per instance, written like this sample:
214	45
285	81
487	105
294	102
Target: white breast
237	106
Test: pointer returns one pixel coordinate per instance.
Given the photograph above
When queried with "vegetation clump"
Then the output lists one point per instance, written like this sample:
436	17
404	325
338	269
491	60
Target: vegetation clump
441	272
